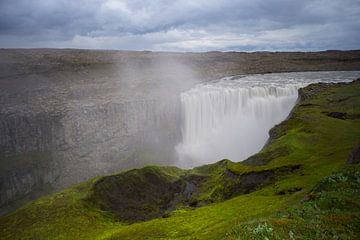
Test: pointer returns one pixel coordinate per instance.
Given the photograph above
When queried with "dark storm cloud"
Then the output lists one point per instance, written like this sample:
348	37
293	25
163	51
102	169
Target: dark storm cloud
38	18
181	25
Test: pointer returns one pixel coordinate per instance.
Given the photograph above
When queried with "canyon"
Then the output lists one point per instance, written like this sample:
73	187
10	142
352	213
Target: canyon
69	115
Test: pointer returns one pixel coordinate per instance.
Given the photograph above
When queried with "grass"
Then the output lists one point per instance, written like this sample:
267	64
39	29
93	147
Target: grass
330	211
304	150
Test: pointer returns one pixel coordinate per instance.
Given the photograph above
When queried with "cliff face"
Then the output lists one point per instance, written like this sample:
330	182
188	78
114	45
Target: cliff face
62	127
69	115
81	143
60	148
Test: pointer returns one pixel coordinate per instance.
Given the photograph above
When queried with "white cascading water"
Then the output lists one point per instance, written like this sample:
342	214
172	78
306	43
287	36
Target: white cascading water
231	117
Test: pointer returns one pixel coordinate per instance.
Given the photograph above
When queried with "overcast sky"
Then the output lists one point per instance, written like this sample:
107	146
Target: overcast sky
182	25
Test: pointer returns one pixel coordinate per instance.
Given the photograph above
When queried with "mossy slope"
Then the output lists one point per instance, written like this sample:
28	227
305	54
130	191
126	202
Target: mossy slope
208	201
330	211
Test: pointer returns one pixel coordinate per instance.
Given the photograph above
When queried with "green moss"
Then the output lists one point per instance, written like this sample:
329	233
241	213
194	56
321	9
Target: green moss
330	211
303	150
58	216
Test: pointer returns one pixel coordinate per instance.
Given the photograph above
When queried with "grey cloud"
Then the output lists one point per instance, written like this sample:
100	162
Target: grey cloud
181	24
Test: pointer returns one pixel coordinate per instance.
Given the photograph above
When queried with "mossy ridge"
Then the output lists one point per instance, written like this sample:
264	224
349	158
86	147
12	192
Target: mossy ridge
154	192
330	211
315	142
57	215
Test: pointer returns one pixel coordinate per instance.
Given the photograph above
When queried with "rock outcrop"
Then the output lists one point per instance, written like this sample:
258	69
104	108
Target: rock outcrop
354	155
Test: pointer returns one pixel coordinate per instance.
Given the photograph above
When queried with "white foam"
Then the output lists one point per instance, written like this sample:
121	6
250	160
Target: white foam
230	118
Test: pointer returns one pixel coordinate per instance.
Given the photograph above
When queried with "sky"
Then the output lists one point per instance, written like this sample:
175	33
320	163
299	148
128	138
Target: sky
181	25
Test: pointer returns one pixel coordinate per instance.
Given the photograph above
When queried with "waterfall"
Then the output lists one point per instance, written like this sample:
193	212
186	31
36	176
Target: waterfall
230	118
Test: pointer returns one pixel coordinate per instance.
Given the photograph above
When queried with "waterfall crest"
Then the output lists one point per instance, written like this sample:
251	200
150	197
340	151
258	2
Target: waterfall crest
230	118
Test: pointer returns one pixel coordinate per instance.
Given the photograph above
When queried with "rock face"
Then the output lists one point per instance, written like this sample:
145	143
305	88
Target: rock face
83	142
69	115
64	127
137	195
354	155
251	181
339	115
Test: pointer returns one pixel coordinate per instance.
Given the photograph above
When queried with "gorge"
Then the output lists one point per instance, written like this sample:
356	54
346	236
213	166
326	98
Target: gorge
307	173
69	115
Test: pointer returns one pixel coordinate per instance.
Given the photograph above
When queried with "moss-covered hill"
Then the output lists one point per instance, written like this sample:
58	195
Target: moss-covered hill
287	191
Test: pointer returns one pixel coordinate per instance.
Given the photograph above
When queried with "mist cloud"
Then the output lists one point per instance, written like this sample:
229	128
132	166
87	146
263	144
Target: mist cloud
181	25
